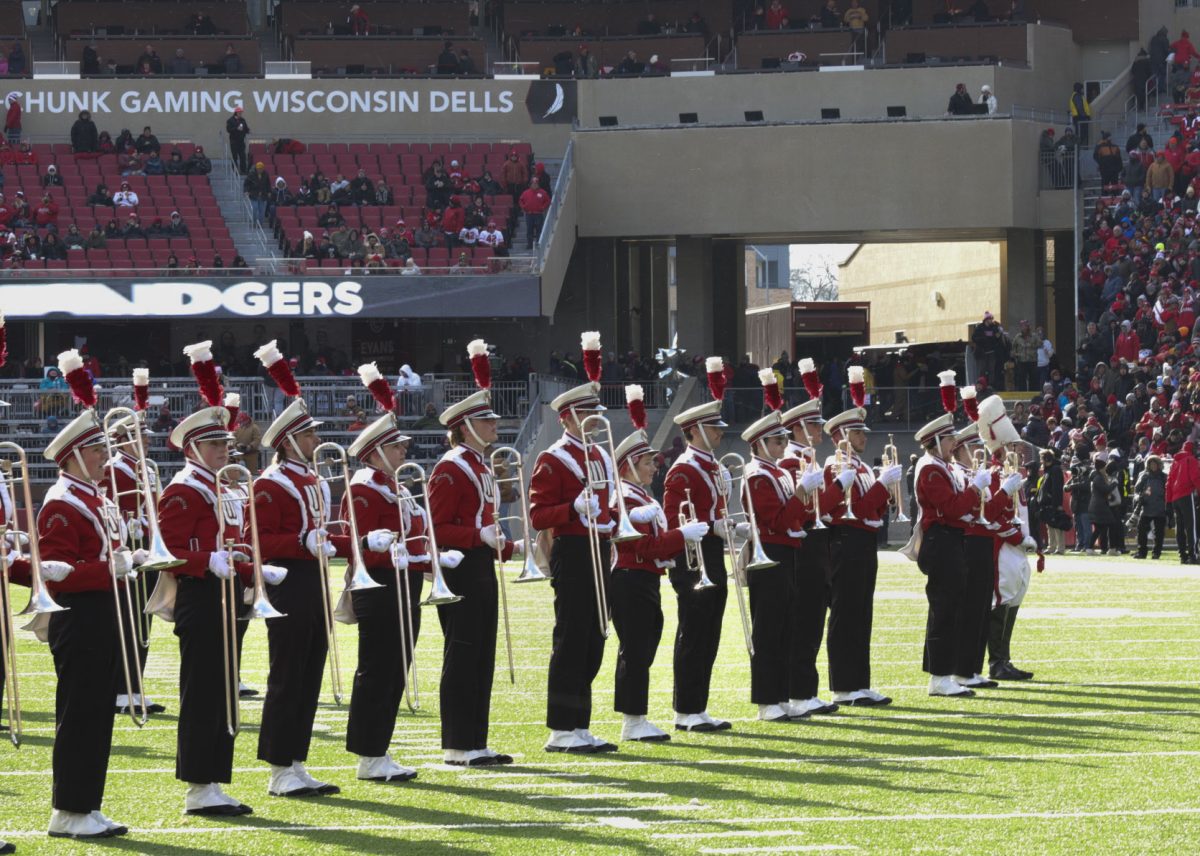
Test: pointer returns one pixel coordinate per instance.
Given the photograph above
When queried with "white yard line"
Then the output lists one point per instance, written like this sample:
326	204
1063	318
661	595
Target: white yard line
786	848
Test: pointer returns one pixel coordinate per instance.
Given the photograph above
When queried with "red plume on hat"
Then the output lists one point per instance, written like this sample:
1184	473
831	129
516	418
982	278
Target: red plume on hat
204	368
948	390
378	386
970	403
80	382
278	368
591	354
481	364
634	399
141	389
858	386
3	341
770	385
233	403
715	368
808	374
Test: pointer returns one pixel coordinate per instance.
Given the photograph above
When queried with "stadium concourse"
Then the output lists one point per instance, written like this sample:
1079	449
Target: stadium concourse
394	258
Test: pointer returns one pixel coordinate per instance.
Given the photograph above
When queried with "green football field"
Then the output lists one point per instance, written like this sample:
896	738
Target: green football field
1101	754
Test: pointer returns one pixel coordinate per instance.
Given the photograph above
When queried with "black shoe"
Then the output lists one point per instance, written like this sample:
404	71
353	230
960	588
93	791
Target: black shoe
326	790
870	702
1019	674
154	707
1156	556
1005	672
7	847
702	727
604	747
982	685
247	692
500	759
1140	555
221	810
298	792
832	707
585	749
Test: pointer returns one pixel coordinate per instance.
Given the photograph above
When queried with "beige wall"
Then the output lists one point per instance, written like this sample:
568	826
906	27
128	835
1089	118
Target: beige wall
900	279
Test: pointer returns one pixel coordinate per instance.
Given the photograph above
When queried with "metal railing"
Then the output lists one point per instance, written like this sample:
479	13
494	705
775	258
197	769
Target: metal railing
566	172
1058	170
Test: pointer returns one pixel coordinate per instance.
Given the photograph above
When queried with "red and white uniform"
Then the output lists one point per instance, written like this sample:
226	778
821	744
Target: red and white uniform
288	507
19	570
995	509
123	468
374	493
779	513
461	500
656	550
189	520
869	498
75	523
559	476
695	475
943	496
796	460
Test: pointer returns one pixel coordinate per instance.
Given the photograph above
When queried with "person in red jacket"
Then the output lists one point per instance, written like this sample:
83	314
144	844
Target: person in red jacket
1128	343
360	25
1184	50
534	202
46	212
12	119
1183	481
452	222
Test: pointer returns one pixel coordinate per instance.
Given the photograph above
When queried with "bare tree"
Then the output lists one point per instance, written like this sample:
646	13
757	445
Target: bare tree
817	280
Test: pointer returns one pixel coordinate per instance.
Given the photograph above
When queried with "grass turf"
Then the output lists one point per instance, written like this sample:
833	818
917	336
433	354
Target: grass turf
1098	755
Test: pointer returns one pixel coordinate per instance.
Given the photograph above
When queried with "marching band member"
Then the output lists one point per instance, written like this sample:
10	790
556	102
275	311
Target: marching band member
383	655
697	474
559	501
637	570
812	571
853	555
461	502
79	526
774	603
292	533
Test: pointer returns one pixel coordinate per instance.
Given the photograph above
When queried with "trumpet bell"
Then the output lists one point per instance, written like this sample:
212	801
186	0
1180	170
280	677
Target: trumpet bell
440	594
530	572
40	602
625	531
361	579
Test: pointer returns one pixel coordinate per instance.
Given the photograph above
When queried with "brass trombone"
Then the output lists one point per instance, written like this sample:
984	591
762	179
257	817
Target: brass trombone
261	607
439	594
1012	466
843	459
596	431
755	558
891	457
979	458
693	555
40	600
357	577
510	460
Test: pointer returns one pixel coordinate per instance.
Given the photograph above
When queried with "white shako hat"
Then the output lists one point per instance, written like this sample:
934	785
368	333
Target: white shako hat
292	420
82	431
708	413
847	420
586	396
477	405
767	426
382	432
943	426
969	434
809	411
995	426
633	446
207	423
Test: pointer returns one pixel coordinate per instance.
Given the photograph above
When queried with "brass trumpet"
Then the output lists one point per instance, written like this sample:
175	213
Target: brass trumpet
1012	466
890	458
40	600
439	594
751	556
813	467
979	458
693	555
843	459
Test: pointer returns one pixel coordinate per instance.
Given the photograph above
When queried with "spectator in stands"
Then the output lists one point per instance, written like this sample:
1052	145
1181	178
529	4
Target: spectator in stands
447	60
84	136
89	62
177	228
149	59
514	174
198	163
493	238
534	203
425	237
96	239
1184	52
339	190
307	248
231	63
12	119
341	238
410	268
1134	143
658	65
180	64
357	21
237	130
133	227
1159	177
649	26
101	196
281	197
1025	346
360	189
437	186
1135	179
74	239
960	102
46	213
478	213
332	218
397	246
111	229
856	18
830	17
21	215
53	249
586	66
1081	113
31	245
987	99
104	145
462	266
125	197
130	162
154	164
16	60
382	195
176	164
257	186
1108	158
453	221
988	342
466	64
1140	73
52	178
777	14
696	25
630	64
146	142
468	235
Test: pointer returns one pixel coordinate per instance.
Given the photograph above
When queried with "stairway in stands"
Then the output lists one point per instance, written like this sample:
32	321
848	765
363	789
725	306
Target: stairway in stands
253	244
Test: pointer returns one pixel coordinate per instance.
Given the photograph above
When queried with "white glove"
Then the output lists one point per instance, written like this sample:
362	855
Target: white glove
726	528
518	545
56	572
493	537
891	475
122	562
694	532
450	558
399	556
643	514
16	540
846	477
587	507
812	480
1012	483
219	563
981	480
378	540
140	557
743	530
135	529
312	544
273	574
1029	543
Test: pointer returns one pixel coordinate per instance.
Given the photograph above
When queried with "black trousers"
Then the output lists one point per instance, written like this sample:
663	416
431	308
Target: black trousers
975	607
851	607
1185	527
578	645
636	604
810	592
1159	525
383	658
298	648
469	650
944	565
698	632
776	616
135	654
203	748
237	149
83	642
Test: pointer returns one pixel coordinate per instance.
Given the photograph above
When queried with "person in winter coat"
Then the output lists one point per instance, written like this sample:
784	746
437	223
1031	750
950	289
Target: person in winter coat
12	119
84	136
257	186
1100	507
237	130
1182	483
1049	501
1108	158
1081	113
1080	488
1135	178
514	175
1151	498
1159	177
453	221
1128	343
960	102
534	203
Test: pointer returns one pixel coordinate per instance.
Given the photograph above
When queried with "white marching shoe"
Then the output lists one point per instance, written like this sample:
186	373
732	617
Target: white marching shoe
77	824
638	729
599	744
323	788
773	713
285	783
113	827
210	800
383	769
569	741
945	685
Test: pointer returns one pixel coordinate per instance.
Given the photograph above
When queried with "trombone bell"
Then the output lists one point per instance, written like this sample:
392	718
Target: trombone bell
261	608
530	572
40	602
160	558
440	594
625	531
361	579
758	557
